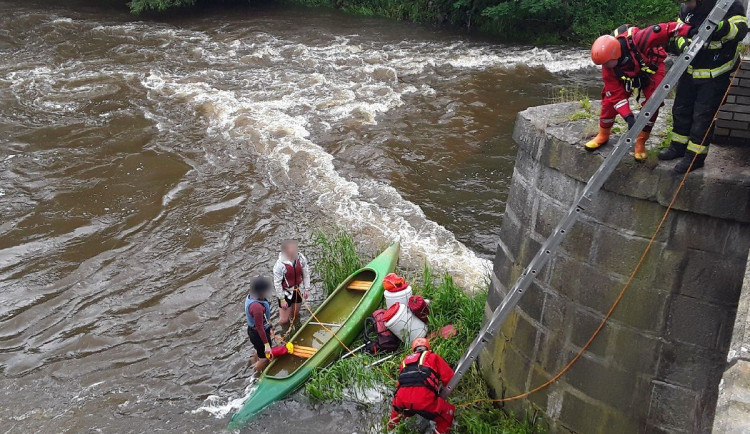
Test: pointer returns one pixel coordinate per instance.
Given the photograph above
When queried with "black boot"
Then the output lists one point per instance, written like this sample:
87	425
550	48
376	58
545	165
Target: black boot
684	164
675	150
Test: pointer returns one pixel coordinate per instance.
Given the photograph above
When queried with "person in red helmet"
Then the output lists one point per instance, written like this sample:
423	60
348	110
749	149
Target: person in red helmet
632	59
422	373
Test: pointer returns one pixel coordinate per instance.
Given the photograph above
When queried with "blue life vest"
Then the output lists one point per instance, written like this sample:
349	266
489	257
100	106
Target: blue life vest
250	320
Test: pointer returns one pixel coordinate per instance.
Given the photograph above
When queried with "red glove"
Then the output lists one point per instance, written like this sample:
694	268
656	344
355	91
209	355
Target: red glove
682	29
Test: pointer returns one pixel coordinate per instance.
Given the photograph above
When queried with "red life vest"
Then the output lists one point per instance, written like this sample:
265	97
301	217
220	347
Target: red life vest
416	372
292	275
643	60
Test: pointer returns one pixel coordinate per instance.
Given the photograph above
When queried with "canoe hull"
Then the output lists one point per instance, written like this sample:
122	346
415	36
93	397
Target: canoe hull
285	375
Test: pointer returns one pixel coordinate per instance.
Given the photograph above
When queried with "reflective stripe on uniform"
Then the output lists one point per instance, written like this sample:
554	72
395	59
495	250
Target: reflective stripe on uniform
731	34
607	121
679	138
698	149
715	72
621	103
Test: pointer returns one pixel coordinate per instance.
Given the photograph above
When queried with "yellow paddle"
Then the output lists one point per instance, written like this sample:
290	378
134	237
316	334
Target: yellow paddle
300	351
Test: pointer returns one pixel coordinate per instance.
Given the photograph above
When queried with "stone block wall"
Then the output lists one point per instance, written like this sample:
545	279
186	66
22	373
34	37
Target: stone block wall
733	407
733	120
656	365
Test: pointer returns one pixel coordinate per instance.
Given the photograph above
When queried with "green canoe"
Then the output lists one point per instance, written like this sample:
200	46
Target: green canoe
346	307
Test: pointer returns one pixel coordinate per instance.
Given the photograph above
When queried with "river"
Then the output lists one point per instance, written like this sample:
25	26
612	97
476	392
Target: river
148	168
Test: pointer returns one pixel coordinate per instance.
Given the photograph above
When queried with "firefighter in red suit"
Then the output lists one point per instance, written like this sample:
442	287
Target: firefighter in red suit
632	60
418	390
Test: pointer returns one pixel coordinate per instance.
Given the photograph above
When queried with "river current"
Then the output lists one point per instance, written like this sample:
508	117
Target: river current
149	168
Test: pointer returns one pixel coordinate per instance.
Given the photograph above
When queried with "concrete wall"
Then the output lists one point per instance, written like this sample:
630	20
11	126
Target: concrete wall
733	407
657	364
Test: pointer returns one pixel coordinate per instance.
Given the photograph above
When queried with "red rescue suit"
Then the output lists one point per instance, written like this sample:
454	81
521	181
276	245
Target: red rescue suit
421	375
641	67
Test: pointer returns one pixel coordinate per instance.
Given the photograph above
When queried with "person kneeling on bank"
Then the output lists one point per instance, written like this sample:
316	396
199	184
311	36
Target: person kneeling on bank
258	314
422	373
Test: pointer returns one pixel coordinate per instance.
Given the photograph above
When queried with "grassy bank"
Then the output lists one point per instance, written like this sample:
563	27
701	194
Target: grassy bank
348	379
539	21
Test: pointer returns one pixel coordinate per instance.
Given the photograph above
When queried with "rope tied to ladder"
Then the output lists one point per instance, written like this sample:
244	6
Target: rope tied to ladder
620	296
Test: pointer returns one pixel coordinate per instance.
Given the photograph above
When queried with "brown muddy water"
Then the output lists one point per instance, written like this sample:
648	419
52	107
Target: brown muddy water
149	168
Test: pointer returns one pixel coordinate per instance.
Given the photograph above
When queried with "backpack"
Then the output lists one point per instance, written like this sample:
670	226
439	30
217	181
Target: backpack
378	338
420	308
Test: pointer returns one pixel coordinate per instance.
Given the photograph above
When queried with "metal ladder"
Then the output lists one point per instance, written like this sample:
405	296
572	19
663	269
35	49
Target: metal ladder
592	187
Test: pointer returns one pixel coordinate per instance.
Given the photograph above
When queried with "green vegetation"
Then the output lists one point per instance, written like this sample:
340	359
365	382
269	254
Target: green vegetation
349	378
665	136
338	258
140	6
540	21
577	94
571	94
544	21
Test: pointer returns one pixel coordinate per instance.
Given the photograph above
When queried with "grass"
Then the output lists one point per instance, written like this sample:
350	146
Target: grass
577	94
337	260
572	94
667	137
346	379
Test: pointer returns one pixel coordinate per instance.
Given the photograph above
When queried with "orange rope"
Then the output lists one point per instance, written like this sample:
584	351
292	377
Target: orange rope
624	289
291	322
323	325
307	306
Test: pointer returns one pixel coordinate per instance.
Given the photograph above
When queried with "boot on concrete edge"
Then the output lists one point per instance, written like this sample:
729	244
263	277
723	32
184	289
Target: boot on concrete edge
675	150
601	139
684	164
639	152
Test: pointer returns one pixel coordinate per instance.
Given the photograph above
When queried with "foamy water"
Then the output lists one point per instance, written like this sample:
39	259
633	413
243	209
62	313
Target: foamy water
223	406
271	115
150	169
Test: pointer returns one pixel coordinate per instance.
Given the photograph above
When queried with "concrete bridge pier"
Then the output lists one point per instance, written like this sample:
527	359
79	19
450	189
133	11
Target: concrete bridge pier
657	365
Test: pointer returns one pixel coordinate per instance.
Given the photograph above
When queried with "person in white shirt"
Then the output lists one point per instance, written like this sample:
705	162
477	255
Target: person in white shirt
291	280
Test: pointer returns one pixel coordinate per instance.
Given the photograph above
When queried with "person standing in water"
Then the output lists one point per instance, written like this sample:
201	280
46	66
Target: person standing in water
258	314
291	280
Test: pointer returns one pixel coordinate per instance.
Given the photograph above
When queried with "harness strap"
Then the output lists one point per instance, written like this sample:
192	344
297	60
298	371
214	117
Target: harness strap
408	412
419	375
645	67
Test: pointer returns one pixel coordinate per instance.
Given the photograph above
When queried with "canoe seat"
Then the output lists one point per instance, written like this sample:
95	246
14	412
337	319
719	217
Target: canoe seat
359	285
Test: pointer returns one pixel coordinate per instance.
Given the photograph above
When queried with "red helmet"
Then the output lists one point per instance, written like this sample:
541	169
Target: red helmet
420	342
605	48
394	283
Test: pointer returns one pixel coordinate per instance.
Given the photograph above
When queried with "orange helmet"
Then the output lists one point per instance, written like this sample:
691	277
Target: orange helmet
420	342
605	48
